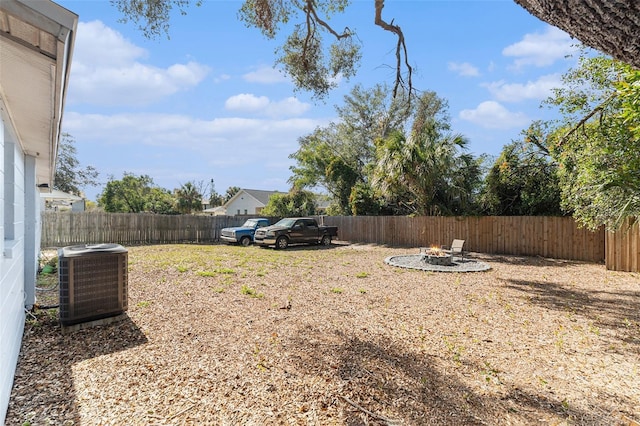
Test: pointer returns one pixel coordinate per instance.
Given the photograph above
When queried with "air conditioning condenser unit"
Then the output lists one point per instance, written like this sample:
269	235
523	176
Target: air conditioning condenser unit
93	282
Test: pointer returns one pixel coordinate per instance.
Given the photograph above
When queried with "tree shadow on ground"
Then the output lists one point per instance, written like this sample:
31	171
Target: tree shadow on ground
618	311
305	247
398	385
43	389
526	260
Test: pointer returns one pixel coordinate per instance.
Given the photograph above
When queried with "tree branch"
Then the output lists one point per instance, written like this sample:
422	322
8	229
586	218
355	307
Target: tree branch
401	47
586	118
312	10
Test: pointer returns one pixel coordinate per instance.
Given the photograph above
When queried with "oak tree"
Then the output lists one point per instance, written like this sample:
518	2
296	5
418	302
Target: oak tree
314	53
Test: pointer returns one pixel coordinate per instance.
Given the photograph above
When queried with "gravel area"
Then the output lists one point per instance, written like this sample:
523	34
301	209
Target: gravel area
226	335
417	261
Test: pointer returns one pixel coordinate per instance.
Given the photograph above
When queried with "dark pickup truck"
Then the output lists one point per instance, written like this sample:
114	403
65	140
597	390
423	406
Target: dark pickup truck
295	230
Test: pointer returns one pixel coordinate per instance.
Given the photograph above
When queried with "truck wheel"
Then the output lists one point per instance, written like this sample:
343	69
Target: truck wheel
282	243
326	240
245	241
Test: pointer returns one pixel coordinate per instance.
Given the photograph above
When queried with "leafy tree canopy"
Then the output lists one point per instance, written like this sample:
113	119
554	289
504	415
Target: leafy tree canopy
135	194
295	203
426	171
160	201
384	158
339	156
231	191
188	198
523	181
596	143
70	177
314	53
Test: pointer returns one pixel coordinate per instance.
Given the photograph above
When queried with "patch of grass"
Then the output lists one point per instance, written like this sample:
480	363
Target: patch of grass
46	281
491	374
217	271
362	274
337	290
454	350
261	361
143	304
559	334
248	291
362	290
182	268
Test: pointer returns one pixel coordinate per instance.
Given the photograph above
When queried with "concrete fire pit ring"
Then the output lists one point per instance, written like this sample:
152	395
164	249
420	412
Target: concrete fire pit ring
440	259
417	261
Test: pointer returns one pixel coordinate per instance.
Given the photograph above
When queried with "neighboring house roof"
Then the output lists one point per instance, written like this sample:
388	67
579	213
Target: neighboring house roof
218	210
259	195
54	194
37	39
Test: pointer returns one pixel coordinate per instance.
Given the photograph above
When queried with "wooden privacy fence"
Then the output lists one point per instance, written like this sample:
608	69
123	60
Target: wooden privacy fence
623	247
66	228
555	237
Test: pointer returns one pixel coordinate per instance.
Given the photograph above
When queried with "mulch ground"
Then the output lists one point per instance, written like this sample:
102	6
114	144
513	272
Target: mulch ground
224	335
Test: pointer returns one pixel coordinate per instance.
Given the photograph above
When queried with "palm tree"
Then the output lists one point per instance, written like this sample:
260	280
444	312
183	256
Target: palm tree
188	198
425	168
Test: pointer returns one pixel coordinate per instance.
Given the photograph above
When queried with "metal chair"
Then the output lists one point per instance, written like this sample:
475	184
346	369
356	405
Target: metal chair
456	248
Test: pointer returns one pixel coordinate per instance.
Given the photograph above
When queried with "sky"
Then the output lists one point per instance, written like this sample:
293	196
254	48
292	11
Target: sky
208	102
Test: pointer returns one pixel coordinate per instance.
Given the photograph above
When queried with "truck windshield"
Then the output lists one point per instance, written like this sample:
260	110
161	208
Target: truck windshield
286	223
250	223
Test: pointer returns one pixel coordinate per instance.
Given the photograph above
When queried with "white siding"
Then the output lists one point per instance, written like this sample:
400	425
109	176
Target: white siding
12	262
244	202
32	230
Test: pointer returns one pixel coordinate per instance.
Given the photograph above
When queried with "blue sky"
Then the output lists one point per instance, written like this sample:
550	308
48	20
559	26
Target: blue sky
208	104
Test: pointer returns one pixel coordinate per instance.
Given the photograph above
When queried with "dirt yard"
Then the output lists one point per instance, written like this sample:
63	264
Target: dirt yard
222	335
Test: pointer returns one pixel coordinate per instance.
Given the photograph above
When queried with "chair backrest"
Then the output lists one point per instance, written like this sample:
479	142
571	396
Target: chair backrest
456	246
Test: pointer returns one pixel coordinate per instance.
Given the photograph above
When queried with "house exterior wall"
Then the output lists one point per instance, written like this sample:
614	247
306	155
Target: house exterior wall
244	202
12	263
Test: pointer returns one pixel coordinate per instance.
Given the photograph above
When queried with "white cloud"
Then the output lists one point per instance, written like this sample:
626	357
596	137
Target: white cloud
464	69
265	75
174	148
107	70
515	92
226	142
99	45
221	78
248	103
540	49
493	115
245	102
290	106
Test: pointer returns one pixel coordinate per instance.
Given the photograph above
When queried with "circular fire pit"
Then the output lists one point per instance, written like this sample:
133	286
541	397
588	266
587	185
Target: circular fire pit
439	259
423	262
436	256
